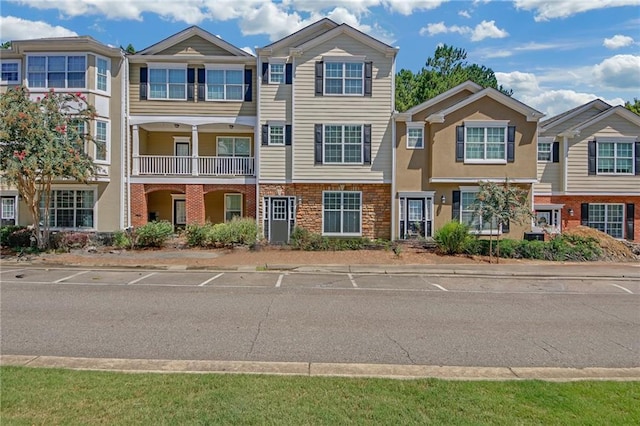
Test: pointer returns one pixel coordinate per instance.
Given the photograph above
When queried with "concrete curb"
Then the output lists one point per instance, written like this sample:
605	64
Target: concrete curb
318	369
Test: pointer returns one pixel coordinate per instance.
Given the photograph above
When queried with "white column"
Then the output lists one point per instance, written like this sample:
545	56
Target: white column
136	150
194	150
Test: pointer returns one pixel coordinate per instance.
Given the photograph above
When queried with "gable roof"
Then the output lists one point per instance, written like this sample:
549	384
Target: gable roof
561	118
530	113
618	110
290	39
190	32
53	44
352	32
467	85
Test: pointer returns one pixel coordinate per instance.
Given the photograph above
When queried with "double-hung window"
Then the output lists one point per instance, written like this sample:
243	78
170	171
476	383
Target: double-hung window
608	218
545	154
276	135
343	144
344	78
10	72
71	209
276	73
102	74
168	83
232	206
485	142
57	71
225	85
102	141
415	135
341	212
469	217
615	157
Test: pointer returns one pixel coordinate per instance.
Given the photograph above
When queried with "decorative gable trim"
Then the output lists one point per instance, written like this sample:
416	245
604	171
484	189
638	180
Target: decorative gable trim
618	110
561	118
363	38
190	32
467	85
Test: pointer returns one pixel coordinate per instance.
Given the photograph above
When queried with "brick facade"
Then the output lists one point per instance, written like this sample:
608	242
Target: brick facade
376	205
574	203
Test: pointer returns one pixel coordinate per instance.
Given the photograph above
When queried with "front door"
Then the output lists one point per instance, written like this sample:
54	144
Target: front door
415	217
183	158
279	220
179	213
8	210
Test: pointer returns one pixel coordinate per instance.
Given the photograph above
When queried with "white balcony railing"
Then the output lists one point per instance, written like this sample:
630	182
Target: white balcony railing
203	166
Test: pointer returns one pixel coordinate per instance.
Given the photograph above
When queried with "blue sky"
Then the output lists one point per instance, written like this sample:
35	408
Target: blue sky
553	54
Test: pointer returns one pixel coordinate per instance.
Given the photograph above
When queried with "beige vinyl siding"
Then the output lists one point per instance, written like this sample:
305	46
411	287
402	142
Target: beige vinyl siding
572	122
275	105
195	45
311	110
198	108
578	176
550	177
275	163
299	39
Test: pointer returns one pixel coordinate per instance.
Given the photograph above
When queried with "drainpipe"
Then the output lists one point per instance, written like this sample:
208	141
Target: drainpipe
123	153
393	149
127	139
256	143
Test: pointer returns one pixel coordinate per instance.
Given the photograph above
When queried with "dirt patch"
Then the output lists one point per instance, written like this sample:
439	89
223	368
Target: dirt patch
613	250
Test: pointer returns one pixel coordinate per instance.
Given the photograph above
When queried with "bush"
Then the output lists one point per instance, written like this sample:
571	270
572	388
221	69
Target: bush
453	238
197	234
302	239
153	234
6	238
240	231
122	239
69	240
560	248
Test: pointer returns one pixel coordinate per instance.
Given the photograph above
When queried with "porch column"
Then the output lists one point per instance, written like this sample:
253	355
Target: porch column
195	204
136	150
194	150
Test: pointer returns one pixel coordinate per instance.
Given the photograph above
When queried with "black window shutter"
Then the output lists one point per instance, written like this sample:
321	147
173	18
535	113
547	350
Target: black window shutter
511	144
287	134
191	79
318	143
143	83
455	206
367	144
202	87
319	78
584	214
248	84
459	144
592	157
505	227
555	153
630	216
368	78
637	144
288	73
265	73
265	134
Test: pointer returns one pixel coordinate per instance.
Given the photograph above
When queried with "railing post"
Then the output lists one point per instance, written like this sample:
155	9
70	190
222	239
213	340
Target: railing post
136	150
194	148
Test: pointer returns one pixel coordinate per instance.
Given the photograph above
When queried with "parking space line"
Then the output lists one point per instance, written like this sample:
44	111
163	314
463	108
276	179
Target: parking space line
279	282
69	277
439	286
11	270
622	288
210	279
353	281
141	278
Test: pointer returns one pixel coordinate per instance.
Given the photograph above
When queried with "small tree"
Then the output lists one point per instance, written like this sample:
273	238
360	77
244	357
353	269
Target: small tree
43	141
499	204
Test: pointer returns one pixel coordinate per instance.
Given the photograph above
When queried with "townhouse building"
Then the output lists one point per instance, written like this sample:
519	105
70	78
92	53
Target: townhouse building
445	146
326	95
589	171
78	65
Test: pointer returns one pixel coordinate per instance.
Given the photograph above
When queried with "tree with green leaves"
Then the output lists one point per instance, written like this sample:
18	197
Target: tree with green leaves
129	49
633	107
499	204
43	141
446	69
5	45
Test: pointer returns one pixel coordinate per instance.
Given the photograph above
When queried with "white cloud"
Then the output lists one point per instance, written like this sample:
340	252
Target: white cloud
441	28
21	29
464	14
519	81
617	41
487	29
407	7
248	50
546	10
620	71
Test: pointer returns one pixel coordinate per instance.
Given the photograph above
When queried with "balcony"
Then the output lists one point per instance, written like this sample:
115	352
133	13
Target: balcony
145	165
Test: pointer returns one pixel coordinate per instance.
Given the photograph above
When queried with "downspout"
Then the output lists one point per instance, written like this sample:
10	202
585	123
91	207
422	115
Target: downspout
565	158
256	144
393	149
127	140
122	138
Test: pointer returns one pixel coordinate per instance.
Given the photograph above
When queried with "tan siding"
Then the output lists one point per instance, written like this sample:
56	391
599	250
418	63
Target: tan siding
275	104
274	164
412	165
550	177
162	143
443	104
195	45
310	109
572	122
578	177
202	108
298	40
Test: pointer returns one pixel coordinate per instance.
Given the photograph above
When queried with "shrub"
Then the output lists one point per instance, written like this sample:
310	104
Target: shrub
453	238
302	239
69	240
5	234
122	239
240	231
197	234
153	234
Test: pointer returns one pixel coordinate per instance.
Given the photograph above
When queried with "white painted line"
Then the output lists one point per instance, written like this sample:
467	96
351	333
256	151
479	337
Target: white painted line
353	282
140	279
439	286
211	279
622	288
69	277
279	282
11	270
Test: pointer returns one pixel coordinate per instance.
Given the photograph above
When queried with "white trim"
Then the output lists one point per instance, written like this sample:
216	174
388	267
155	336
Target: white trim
284	72
619	110
107	91
11	61
498	124
66	71
224	200
415	126
554	121
349	58
284	134
616	141
166	67
174	198
193	180
323	179
353	33
602	193
248	120
342	234
342	144
78	187
393	149
225	67
107	159
14	198
481	179
344	78
186	34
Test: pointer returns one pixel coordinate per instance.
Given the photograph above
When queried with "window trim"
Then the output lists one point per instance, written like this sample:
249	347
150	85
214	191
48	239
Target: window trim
166	68
615	142
324	145
271	73
75	188
504	124
225	68
414	126
48	55
14	200
107	159
234	146
341	234
606	214
344	78
475	189
240	194
107	90
11	61
279	126
550	152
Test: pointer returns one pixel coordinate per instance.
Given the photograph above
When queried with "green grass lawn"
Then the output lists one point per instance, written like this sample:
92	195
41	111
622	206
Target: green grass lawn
51	396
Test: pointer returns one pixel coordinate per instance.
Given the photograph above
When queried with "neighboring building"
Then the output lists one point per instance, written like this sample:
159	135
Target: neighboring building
192	122
326	96
445	146
75	64
589	170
